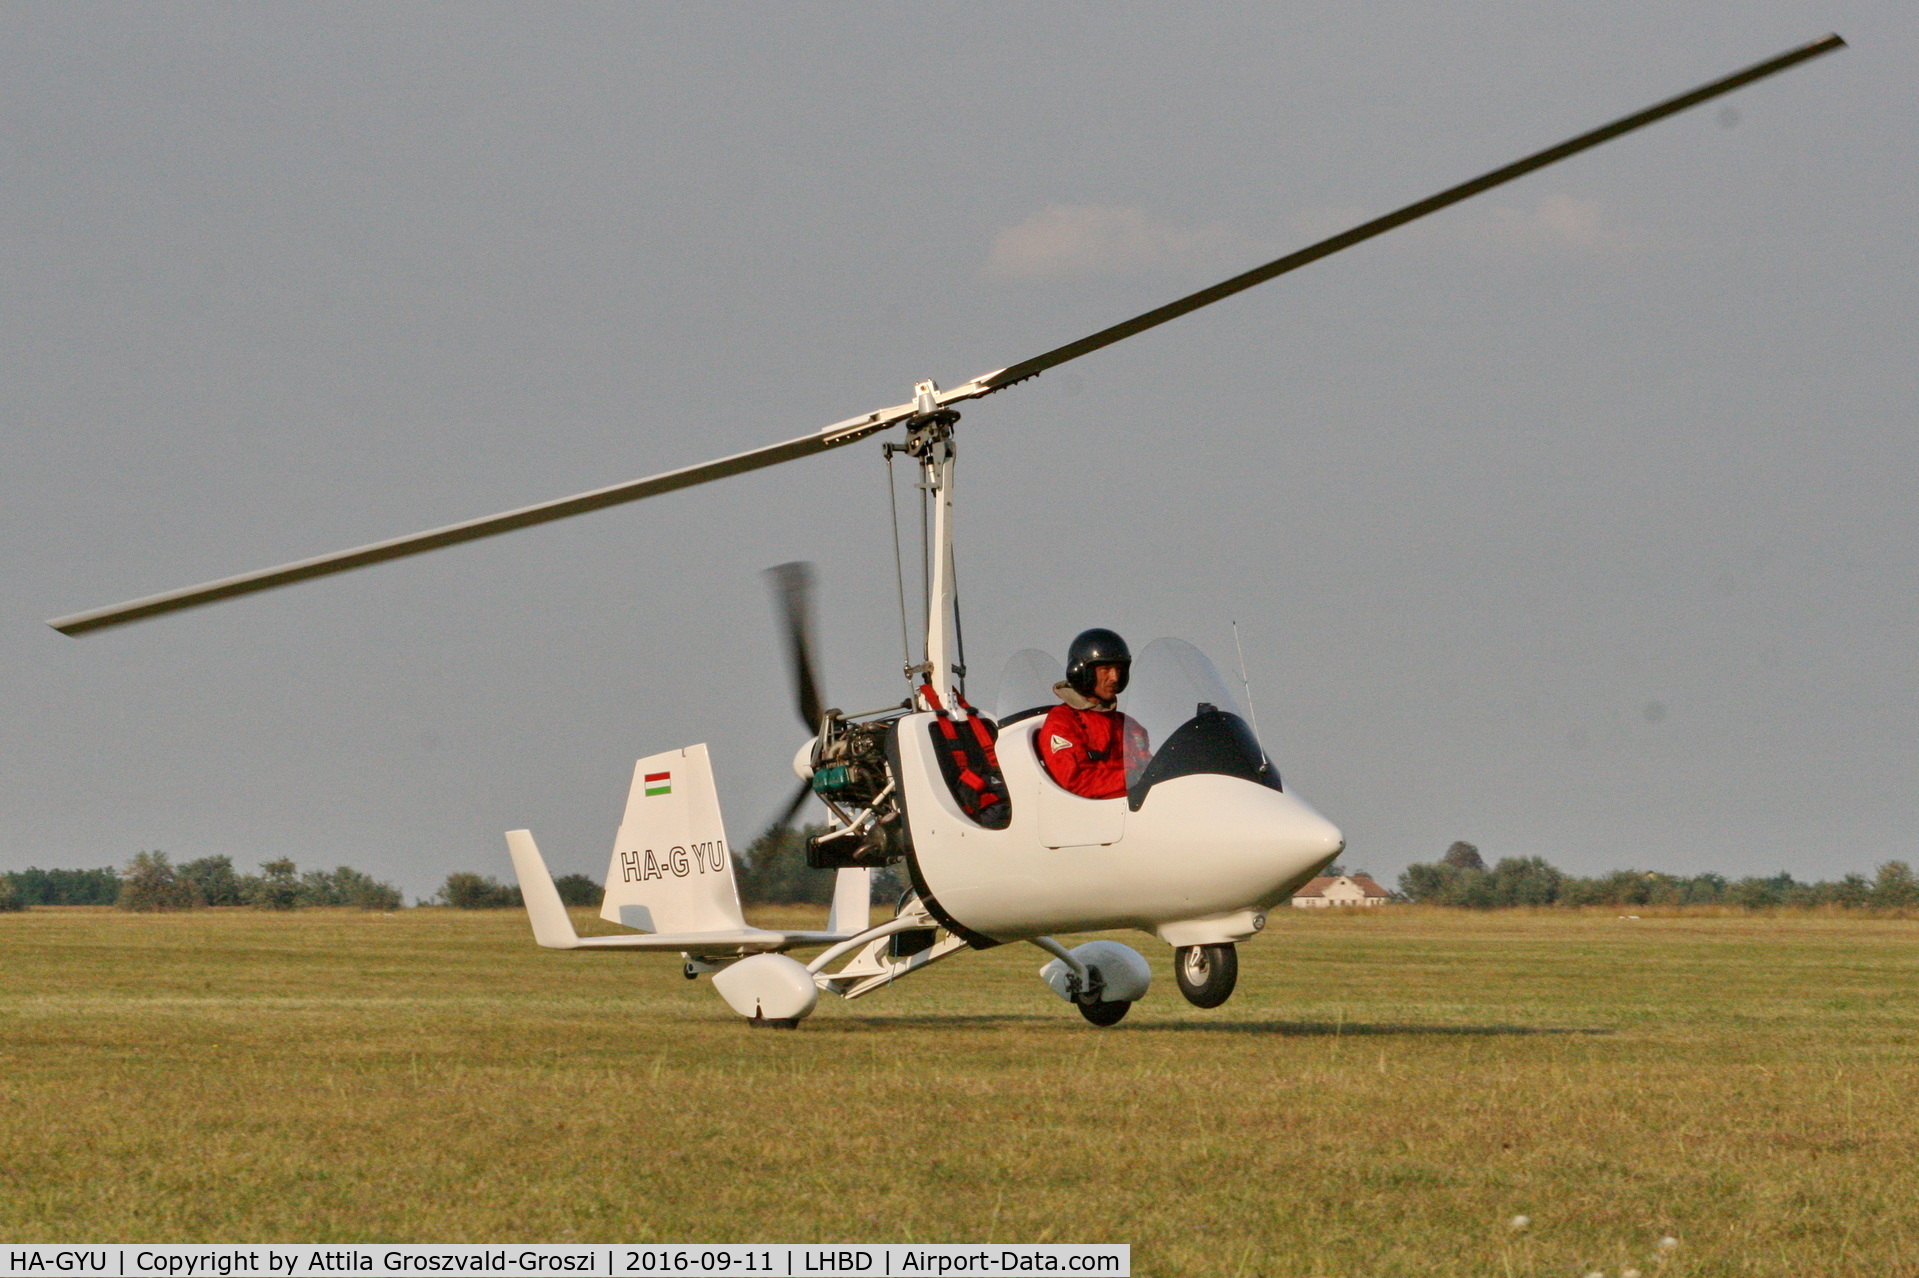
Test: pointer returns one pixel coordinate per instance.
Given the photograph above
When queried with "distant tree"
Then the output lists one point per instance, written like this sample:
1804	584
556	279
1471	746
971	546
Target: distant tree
317	888
467	891
1706	889
1424	883
1463	856
11	899
1471	889
276	887
1800	896
1755	893
1524	881
1447	884
364	892
349	887
1533	881
1665	889
891	883
1894	888
151	884
1678	889
1853	892
67	887
1619	888
214	879
773	870
578	889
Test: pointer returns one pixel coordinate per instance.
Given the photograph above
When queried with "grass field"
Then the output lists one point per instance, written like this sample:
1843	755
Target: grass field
1381	1097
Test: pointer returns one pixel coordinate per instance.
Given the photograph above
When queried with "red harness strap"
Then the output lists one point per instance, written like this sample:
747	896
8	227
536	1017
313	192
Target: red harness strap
980	734
983	792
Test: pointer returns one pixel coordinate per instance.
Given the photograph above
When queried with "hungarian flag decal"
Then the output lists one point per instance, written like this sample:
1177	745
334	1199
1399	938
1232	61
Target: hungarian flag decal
659	783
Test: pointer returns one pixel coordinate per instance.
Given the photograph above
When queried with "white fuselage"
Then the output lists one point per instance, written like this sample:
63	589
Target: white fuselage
1199	863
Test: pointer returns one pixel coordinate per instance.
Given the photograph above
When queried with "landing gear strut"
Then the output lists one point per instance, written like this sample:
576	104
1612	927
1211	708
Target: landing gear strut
1206	973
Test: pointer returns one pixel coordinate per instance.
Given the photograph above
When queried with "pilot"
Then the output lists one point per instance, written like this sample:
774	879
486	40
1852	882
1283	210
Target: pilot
1087	741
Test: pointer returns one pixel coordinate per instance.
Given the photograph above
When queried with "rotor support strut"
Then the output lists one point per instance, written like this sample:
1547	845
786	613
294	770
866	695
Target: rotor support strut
929	441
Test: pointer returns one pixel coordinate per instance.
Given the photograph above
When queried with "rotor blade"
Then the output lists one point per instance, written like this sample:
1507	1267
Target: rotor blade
793	594
858	428
1005	377
473	529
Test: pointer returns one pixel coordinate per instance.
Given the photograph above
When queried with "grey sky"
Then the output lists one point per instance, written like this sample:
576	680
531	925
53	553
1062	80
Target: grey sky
1577	521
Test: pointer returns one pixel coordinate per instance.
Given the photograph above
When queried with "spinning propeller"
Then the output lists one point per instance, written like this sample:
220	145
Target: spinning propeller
793	591
928	402
793	594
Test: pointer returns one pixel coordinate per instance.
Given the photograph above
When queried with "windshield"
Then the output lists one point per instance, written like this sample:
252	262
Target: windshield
1026	685
1171	680
1194	721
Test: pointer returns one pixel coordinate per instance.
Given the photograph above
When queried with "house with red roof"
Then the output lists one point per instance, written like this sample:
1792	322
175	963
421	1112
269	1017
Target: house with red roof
1340	889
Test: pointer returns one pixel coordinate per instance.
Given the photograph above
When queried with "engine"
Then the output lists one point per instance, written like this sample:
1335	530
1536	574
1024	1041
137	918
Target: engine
852	777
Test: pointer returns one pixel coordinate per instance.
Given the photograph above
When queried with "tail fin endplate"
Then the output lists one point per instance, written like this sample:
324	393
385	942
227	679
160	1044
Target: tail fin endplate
551	927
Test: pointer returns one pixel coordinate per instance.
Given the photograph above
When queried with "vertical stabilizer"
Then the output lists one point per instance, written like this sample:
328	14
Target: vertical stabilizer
672	868
852	910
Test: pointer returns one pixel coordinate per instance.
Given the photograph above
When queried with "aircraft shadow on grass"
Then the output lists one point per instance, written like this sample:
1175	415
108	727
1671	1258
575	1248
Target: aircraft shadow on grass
1278	1029
1353	1029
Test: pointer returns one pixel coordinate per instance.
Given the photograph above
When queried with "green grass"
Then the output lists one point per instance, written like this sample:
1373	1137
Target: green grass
1385	1092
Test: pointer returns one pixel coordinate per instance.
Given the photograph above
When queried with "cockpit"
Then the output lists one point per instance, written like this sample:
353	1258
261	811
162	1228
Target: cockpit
1195	723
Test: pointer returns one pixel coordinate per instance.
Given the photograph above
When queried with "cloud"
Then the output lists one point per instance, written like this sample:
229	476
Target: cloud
1556	222
1554	225
1063	240
1074	240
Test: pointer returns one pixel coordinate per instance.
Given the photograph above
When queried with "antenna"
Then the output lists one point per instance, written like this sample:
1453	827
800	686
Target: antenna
1245	683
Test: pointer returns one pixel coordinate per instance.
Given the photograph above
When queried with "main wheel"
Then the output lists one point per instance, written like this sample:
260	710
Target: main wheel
1103	1014
1207	973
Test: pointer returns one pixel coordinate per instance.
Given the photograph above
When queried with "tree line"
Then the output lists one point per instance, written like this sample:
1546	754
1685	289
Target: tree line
153	882
1462	878
772	871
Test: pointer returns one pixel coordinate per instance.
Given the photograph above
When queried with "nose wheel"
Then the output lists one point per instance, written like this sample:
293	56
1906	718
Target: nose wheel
1206	973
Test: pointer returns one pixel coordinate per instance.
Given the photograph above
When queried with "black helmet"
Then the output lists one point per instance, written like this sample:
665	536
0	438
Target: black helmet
1096	647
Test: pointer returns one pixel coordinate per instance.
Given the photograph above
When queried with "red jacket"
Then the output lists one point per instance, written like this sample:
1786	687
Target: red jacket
1085	750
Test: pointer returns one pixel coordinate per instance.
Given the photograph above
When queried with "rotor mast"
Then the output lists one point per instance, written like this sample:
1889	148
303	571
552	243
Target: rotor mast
929	441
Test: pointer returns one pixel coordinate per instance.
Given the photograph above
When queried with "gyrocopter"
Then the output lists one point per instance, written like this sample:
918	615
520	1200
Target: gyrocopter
1205	840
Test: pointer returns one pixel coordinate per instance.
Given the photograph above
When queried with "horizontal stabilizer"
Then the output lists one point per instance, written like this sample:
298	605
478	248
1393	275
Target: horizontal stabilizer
554	930
750	940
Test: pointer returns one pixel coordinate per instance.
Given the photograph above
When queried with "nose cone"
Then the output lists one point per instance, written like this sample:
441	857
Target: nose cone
1325	837
1246	840
1310	835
